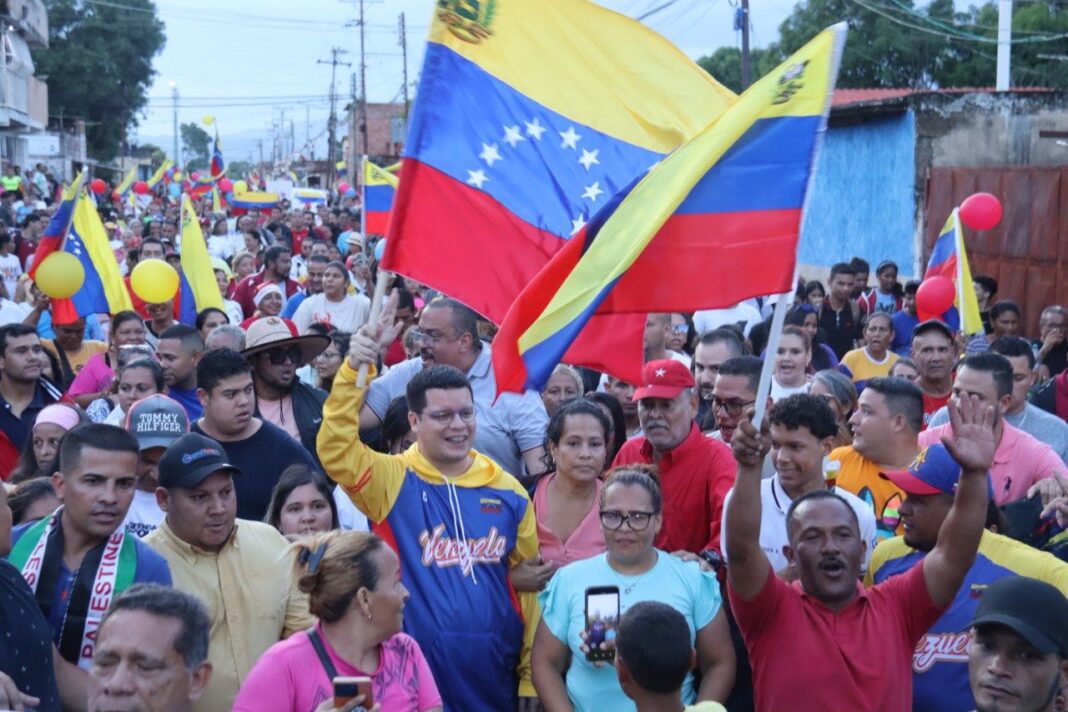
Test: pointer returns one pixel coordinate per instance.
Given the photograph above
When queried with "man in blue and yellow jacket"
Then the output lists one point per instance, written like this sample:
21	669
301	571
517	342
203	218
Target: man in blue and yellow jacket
940	661
457	521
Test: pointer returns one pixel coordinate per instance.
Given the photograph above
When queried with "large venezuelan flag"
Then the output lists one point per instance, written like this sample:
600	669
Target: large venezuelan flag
103	291
715	222
530	116
379	189
199	288
949	259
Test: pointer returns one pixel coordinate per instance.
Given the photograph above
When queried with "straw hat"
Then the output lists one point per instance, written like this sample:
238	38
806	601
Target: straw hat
271	332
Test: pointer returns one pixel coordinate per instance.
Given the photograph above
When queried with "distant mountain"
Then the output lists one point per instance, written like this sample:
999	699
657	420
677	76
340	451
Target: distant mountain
245	145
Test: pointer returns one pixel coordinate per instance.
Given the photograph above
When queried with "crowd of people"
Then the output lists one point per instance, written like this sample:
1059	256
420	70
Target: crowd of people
230	514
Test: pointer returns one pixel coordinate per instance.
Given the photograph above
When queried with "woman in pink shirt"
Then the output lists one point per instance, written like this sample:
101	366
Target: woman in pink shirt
354	586
94	379
565	501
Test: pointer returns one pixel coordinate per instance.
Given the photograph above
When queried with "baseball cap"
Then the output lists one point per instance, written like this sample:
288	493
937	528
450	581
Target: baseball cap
664	378
1034	609
935	325
190	460
934	471
157	421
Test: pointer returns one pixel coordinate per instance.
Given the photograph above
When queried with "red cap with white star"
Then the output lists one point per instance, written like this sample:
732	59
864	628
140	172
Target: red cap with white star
666	378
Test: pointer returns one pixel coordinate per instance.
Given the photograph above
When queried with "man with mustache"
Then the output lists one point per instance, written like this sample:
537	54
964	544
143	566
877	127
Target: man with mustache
240	569
939	672
511	428
1018	652
696	472
935	355
80	556
846	646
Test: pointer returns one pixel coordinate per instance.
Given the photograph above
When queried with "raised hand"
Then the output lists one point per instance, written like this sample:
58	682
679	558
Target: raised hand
388	328
749	446
973	442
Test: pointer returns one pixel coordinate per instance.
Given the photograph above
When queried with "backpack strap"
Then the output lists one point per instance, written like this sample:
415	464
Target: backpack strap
320	650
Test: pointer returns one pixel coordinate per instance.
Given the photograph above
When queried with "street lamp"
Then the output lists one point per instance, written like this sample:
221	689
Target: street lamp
174	95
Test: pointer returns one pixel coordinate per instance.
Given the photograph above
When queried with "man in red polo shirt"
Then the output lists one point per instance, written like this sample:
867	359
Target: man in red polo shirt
824	642
696	472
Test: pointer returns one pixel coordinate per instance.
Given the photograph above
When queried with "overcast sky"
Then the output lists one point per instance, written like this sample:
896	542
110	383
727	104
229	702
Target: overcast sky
246	61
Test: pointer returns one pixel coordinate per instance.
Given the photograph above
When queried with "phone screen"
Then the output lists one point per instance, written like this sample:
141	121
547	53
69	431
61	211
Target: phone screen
602	617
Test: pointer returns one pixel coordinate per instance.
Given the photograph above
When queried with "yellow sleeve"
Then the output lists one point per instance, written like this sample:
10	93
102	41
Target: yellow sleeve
371	479
298	615
526	546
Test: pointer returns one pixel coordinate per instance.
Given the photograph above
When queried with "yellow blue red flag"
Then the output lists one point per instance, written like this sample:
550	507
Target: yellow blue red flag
950	259
199	289
715	222
158	175
379	189
103	291
127	182
529	117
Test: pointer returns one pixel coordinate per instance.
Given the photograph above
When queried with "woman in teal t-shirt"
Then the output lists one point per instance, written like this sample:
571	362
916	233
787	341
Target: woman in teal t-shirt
631	515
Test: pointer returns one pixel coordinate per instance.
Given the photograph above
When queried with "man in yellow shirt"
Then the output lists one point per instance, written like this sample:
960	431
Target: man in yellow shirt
239	569
874	359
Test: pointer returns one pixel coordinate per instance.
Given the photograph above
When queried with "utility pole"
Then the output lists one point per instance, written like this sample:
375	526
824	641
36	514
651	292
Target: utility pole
332	121
404	54
363	84
1004	45
745	43
174	96
259	142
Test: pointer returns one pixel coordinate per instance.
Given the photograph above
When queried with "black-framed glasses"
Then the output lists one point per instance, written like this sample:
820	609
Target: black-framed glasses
444	417
637	521
733	407
278	356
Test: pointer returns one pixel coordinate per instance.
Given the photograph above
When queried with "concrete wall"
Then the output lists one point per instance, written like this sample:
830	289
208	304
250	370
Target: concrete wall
863	198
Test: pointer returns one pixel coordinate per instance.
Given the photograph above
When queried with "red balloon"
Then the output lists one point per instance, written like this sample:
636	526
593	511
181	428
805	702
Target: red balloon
935	296
194	176
225	185
342	187
98	186
981	211
140	187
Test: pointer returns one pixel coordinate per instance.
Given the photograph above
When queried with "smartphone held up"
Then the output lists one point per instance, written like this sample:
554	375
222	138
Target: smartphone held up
602	618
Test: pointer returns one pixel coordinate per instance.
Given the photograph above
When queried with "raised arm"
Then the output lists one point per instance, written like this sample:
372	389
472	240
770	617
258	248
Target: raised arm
372	480
972	446
748	566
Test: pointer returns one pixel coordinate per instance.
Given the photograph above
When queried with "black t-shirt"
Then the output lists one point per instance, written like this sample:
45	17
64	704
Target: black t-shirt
841	328
26	640
261	459
1057	358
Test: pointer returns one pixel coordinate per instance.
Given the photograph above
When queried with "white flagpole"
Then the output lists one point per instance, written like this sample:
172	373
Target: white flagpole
764	389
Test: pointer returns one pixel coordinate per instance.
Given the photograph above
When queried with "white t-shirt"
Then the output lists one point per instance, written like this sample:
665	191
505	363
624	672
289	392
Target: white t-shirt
12	312
347	315
773	505
745	314
220	246
10	269
144	516
779	391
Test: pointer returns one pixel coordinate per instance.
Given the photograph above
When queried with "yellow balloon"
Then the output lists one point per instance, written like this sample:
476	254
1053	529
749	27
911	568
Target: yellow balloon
154	281
240	186
60	275
209	120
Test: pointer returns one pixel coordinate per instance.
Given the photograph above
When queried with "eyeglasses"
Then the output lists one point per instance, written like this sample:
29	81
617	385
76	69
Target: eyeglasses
279	356
733	407
429	337
682	328
444	417
637	521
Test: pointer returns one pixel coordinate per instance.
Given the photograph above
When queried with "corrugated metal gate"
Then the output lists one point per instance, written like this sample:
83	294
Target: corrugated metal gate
1028	252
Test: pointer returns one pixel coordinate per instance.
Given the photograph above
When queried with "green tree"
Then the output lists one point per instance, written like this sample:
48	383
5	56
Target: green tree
725	64
195	142
99	66
892	43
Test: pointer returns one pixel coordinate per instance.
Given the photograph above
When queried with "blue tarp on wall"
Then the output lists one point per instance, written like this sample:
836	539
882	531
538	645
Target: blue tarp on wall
863	200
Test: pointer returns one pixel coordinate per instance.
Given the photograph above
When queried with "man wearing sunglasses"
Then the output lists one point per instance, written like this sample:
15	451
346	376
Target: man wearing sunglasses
275	352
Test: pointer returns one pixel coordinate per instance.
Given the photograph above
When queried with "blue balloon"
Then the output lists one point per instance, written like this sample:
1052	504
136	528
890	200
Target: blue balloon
380	248
350	193
174	190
